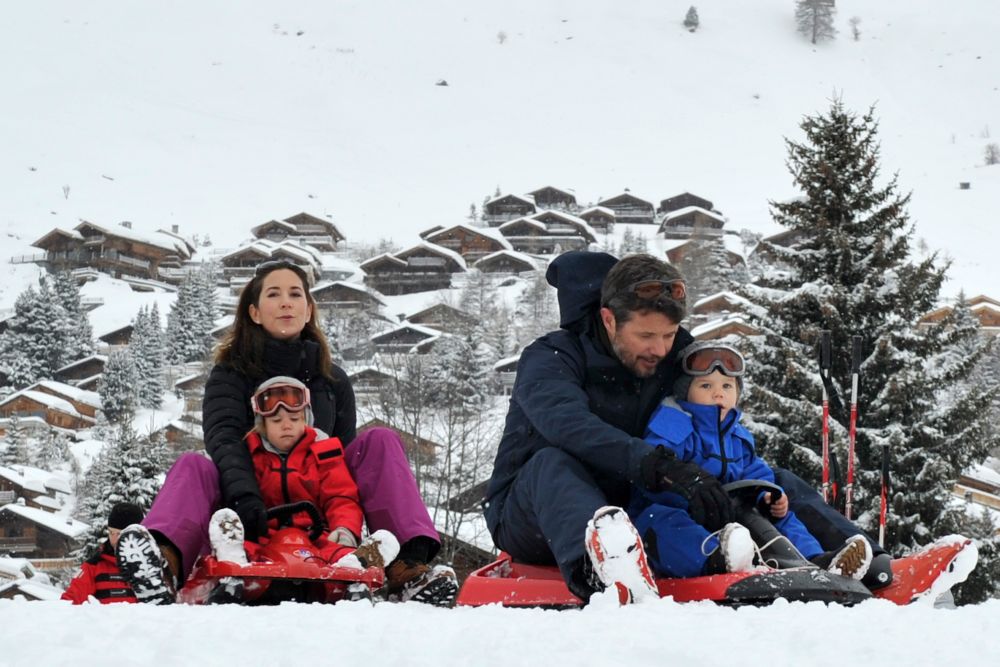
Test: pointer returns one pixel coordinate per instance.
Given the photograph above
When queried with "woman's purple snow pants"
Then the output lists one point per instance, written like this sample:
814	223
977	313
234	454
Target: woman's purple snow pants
376	459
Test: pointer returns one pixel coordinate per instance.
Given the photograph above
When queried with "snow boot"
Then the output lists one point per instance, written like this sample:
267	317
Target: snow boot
229	590
852	560
376	550
735	552
617	557
413	580
225	532
775	549
144	567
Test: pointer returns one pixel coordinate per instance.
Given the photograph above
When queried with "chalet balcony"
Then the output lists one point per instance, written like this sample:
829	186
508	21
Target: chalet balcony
28	259
497	219
315	240
96	239
17	545
115	256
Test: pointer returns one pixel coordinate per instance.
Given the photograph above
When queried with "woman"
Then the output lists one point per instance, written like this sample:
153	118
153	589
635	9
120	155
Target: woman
276	333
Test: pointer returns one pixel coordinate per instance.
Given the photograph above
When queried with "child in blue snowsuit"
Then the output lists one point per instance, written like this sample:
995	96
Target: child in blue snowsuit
701	423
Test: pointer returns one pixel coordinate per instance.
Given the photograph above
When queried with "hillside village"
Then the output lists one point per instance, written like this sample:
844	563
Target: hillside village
410	300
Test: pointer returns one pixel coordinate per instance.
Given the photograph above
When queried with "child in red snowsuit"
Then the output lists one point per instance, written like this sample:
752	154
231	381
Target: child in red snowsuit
100	577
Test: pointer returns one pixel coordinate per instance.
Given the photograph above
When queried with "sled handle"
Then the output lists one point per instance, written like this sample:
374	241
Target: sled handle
284	514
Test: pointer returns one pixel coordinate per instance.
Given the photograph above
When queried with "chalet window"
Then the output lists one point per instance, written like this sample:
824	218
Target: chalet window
426	262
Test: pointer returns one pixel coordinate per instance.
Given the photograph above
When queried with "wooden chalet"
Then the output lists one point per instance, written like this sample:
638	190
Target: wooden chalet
83	373
368	382
85	402
119	337
600	218
630	209
690	220
683	200
32	591
734	325
116	250
422	268
506	262
414	445
403	339
507	207
506	370
30	532
471	243
984	308
32	487
554	198
677	253
346	298
719	305
548	233
442	317
304	229
239	265
979	485
55	411
789	238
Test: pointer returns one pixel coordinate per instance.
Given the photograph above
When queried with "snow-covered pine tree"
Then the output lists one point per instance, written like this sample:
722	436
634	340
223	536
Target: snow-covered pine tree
15	448
330	325
707	268
191	318
814	19
53	452
691	20
851	272
633	242
79	336
30	348
146	350
118	386
537	312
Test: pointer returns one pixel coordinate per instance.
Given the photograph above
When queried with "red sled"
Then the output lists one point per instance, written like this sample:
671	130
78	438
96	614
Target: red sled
929	572
287	568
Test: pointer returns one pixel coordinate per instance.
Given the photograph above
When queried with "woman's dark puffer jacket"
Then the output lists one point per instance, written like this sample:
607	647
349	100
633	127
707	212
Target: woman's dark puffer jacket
227	415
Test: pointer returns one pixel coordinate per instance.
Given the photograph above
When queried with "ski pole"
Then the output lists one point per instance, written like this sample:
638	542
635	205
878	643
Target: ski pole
883	510
824	372
855	372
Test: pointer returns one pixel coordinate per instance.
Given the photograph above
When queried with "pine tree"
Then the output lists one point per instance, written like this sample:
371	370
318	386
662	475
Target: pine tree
53	452
146	349
15	449
79	337
851	273
29	347
537	312
814	19
191	318
330	324
118	386
691	21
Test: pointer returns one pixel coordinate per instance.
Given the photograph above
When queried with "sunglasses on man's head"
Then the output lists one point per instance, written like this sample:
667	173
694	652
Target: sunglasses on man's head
273	265
704	360
651	289
266	402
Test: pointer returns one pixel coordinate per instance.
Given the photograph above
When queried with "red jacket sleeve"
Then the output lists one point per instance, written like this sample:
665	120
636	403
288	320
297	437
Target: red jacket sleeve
82	586
338	493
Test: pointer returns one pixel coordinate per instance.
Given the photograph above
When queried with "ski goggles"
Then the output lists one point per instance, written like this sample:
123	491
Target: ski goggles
266	402
652	289
274	265
704	360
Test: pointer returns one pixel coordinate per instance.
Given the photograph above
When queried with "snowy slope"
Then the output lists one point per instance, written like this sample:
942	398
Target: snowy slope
659	633
216	116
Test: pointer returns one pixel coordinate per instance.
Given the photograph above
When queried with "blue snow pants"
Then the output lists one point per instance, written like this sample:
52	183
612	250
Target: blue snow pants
676	546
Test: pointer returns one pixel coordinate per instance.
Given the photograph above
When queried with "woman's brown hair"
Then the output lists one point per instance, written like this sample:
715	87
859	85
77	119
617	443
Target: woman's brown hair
243	347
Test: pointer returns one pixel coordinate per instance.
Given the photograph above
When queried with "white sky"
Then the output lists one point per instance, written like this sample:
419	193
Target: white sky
217	117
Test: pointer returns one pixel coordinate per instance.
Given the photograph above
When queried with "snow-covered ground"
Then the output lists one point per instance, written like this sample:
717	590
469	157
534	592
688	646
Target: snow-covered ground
656	633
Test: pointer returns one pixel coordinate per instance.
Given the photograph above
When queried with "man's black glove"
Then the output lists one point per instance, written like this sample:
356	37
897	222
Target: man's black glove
253	514
708	504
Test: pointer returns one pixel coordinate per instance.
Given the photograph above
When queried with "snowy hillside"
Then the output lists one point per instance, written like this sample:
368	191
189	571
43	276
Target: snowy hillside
217	117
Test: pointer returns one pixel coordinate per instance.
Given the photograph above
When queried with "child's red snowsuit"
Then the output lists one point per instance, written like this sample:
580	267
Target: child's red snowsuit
312	470
99	576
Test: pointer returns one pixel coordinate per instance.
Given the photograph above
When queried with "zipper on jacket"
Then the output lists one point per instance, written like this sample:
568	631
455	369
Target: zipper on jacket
723	454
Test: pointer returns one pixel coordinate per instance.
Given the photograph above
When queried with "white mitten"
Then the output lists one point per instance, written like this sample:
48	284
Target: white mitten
341	535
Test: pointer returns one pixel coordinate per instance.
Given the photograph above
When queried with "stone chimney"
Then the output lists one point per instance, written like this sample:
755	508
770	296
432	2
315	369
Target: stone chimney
175	228
127	224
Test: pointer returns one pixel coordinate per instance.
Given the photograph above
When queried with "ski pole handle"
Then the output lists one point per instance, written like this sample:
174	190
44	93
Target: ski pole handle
855	355
824	350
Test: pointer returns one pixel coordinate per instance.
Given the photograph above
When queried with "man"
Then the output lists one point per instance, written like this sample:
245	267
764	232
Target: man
572	445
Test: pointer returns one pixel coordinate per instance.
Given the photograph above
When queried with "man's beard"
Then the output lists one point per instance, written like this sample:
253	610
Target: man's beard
631	361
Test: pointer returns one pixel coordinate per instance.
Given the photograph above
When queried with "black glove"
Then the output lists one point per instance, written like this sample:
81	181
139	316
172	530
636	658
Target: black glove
708	504
764	504
253	514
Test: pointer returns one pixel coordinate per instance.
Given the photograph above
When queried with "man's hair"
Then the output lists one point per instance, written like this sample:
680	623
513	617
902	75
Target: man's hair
623	302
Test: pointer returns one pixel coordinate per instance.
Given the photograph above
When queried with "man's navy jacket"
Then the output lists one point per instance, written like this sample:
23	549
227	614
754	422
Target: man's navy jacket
572	392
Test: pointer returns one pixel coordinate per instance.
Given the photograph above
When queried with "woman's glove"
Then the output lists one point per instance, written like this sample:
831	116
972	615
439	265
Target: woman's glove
708	504
341	535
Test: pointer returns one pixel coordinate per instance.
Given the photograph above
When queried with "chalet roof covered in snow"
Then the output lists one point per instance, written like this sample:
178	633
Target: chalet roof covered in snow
156	239
63	525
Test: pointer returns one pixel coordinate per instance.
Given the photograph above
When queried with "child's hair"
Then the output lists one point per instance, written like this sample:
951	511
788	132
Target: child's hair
728	361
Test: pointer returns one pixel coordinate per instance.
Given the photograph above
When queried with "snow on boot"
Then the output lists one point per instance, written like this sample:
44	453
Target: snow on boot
734	553
229	590
851	560
413	580
225	532
144	567
617	556
376	550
